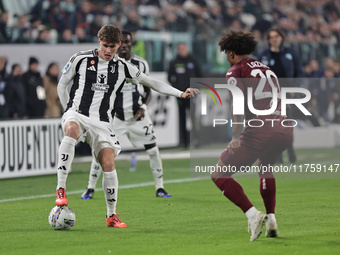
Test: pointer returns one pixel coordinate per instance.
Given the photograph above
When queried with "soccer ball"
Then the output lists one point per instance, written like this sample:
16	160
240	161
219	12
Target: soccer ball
62	218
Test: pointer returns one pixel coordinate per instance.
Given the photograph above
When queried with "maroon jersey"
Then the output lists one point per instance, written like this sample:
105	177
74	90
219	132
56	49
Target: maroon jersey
252	73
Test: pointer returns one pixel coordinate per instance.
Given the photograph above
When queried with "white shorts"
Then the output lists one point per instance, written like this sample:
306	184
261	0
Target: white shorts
98	134
139	132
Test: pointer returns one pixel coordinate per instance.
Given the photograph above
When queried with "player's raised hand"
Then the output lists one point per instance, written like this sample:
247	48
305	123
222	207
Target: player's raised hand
190	92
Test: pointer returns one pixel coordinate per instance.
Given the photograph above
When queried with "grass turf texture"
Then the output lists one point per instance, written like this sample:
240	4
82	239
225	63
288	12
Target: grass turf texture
197	220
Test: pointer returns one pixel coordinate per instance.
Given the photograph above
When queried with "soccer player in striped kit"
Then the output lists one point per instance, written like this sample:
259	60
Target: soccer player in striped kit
131	118
97	76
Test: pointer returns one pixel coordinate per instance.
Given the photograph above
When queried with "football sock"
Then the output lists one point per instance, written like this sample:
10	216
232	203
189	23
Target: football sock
156	166
251	213
95	171
110	187
234	192
65	158
271	217
268	191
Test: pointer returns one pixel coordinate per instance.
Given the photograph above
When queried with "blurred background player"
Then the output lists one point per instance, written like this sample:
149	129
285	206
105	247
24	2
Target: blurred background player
264	143
131	118
285	63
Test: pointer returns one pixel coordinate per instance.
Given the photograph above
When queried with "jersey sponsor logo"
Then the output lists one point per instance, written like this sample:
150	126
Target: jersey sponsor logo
129	87
101	85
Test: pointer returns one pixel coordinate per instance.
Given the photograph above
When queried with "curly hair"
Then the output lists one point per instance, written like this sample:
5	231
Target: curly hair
110	33
239	42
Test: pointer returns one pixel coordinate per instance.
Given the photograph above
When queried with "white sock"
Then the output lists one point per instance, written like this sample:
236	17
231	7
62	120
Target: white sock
156	166
251	213
271	217
110	187
95	171
65	158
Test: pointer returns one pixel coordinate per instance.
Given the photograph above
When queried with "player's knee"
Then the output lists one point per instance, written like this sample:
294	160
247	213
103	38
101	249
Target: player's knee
107	165
72	130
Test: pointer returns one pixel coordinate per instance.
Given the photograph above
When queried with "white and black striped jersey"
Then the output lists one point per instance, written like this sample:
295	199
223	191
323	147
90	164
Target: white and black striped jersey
96	83
129	99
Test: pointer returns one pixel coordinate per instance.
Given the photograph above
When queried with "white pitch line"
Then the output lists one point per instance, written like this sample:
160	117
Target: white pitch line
127	186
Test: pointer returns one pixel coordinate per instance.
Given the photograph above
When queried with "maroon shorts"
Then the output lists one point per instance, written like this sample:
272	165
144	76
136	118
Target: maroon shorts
267	147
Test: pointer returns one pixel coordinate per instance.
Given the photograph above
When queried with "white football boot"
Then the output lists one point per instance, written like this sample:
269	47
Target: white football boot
255	226
271	229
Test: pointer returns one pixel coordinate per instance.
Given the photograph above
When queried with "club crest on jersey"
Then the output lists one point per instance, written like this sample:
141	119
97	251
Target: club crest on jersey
101	85
112	69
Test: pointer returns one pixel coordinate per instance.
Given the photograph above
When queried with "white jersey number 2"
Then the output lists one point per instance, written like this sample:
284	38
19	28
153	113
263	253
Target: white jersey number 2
268	76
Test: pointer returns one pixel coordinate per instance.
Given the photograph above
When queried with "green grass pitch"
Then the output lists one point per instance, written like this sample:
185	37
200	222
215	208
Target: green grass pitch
197	220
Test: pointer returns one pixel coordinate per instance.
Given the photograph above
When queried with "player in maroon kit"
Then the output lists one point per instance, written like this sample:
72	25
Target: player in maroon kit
263	143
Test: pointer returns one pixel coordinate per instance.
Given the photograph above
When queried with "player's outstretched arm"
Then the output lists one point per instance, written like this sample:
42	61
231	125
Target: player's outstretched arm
160	86
167	89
